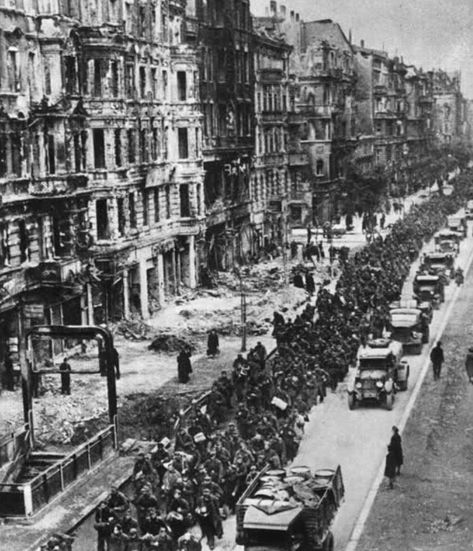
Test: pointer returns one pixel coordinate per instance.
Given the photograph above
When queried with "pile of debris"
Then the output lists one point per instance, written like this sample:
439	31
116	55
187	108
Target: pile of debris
171	343
66	419
134	329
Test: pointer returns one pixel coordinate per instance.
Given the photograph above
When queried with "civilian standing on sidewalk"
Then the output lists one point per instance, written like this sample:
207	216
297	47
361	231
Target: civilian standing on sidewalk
469	364
390	468
437	359
396	446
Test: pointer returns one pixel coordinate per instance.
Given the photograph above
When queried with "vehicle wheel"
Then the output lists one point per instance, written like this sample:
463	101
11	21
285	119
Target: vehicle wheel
351	401
328	543
389	401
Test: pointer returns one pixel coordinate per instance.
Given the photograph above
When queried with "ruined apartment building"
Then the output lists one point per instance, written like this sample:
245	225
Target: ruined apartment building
224	39
281	189
100	161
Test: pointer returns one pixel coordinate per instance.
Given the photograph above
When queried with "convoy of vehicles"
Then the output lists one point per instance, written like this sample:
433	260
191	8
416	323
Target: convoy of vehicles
289	510
379	373
409	327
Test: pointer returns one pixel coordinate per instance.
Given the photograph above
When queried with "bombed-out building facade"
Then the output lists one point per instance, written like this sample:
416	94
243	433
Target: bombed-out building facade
100	162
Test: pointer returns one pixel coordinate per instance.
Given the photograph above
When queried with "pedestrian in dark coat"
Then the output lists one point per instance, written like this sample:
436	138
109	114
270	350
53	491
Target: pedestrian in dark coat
213	343
298	281
396	446
184	367
310	283
65	369
9	374
469	364
437	359
390	468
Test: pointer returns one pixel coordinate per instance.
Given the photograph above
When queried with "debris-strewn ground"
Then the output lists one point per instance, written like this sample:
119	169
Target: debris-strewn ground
430	507
145	371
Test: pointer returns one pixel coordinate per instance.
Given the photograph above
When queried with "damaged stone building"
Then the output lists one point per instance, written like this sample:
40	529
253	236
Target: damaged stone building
100	161
224	41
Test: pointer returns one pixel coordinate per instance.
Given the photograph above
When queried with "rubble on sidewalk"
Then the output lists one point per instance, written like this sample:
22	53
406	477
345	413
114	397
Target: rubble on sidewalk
166	342
134	329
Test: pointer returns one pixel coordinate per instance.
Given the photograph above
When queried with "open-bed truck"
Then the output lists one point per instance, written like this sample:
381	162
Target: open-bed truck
282	511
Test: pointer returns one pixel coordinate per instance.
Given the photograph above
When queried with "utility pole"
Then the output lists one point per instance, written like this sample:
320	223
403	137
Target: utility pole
243	315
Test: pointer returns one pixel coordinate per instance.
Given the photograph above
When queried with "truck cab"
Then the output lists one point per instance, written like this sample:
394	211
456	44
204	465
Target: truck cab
429	288
440	263
409	327
457	223
469	209
448	241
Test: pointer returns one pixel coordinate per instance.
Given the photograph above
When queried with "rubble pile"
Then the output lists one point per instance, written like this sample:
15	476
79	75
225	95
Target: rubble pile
69	419
134	329
170	342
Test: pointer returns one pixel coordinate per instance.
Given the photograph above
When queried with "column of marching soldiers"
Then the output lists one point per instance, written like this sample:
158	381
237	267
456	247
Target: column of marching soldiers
255	415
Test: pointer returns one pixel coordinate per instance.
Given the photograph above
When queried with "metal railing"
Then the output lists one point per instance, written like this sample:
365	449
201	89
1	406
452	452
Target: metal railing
26	498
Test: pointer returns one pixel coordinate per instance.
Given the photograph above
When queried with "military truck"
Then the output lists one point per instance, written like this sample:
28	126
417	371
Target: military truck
448	241
379	372
289	510
425	306
440	264
429	288
457	223
409	327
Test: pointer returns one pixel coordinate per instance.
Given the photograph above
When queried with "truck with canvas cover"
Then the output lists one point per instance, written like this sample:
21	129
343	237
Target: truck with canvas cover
424	306
289	510
379	372
429	288
409	327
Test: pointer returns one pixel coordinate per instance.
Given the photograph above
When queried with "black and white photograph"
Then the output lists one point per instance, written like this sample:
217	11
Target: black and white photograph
236	293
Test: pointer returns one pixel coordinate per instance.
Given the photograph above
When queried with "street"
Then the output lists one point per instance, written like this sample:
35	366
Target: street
357	439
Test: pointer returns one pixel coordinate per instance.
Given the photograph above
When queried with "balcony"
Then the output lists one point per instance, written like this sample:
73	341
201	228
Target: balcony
298	159
380	90
57	185
273	160
429	100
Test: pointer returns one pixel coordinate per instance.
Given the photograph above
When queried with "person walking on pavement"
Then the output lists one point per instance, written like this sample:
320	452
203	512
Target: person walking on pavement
213	344
390	467
396	446
65	369
469	364
437	359
184	367
309	283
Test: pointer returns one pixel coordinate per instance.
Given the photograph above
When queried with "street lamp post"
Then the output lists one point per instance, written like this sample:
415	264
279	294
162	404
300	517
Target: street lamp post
242	311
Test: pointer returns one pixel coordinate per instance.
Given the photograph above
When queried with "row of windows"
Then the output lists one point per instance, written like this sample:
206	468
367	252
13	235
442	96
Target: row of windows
272	99
219	64
129	147
155	207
